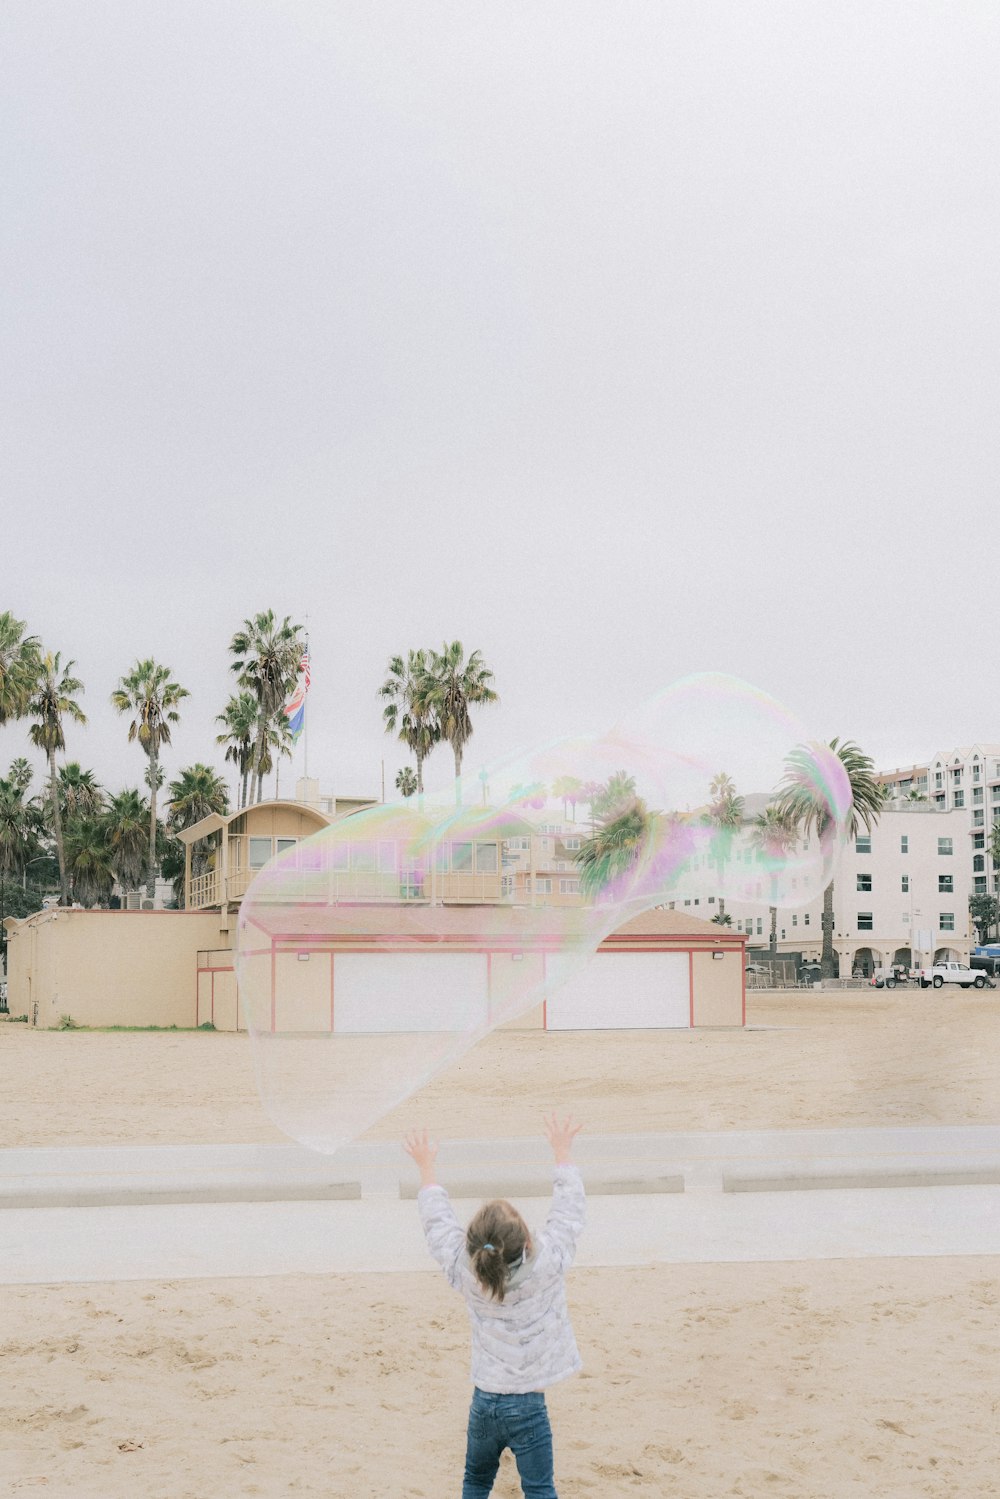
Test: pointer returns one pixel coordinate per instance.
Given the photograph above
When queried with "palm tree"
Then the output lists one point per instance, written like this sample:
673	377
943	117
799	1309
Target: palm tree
52	700
266	659
566	789
404	713
126	821
20	661
20	773
239	719
725	813
21	826
406	782
614	798
149	694
451	686
803	799
197	792
79	793
773	836
89	860
613	848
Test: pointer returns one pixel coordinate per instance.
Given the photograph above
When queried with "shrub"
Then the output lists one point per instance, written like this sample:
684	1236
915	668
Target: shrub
206	1025
67	1023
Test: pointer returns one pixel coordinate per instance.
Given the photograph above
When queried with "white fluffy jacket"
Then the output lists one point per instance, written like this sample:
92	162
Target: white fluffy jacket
524	1342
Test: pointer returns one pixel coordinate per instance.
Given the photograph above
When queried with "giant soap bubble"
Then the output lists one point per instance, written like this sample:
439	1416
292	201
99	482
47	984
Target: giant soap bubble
375	953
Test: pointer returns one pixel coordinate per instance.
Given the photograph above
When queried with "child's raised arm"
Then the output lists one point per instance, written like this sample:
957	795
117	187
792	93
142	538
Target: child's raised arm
561	1136
423	1150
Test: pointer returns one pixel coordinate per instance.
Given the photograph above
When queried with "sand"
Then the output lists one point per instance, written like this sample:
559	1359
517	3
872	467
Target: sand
855	1058
807	1380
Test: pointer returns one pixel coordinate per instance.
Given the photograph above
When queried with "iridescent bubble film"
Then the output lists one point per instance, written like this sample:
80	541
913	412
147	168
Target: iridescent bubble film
375	953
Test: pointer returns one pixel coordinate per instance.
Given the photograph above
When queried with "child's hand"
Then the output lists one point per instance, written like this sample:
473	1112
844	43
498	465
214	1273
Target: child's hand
423	1150
561	1136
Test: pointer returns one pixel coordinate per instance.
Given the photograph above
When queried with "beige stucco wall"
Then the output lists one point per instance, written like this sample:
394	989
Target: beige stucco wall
718	988
109	967
281	822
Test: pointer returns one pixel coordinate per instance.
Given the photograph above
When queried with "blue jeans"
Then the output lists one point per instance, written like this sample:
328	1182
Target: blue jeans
520	1422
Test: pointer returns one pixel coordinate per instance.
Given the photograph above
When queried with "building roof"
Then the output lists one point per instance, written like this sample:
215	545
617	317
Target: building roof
548	925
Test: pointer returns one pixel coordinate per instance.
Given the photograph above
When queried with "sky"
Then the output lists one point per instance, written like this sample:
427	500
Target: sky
619	342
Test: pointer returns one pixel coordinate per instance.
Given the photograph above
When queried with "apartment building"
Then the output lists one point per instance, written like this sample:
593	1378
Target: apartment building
966	781
901	895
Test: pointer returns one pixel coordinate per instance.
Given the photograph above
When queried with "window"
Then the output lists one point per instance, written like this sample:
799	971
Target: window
865	921
978	863
938	778
782	934
863	844
946	921
977	817
995	793
795	921
260	852
979	840
806	922
569	887
980	884
711	900
486	858
363	857
959	798
904	844
281	845
944	846
461	857
977	796
542	886
946	884
387	858
864	882
956	776
572	843
760	926
906	884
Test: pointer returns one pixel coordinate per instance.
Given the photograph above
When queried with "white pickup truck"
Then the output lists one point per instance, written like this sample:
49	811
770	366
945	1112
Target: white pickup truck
952	973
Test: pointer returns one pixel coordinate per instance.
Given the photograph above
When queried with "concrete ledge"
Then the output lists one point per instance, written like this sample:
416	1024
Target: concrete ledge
803	1181
138	1193
523	1186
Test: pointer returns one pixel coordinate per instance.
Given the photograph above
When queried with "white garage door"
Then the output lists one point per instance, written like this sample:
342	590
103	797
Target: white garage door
622	991
378	992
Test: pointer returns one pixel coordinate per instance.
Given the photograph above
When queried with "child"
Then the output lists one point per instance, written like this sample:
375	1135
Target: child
514	1289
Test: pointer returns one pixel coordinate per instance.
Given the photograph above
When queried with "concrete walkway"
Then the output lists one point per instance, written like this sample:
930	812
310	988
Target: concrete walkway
163	1213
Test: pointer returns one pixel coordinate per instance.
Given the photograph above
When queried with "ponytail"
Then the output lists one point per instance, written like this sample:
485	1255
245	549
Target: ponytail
497	1240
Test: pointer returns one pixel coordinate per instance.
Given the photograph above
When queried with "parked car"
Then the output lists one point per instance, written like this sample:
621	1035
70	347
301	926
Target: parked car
954	973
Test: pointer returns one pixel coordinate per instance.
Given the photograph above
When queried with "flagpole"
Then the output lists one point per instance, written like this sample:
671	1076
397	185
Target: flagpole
305	721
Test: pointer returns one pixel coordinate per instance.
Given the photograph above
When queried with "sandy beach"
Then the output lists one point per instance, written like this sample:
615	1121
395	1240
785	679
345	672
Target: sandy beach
817	1380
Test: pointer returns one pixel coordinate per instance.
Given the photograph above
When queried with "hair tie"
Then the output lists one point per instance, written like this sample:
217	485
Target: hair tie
489	1246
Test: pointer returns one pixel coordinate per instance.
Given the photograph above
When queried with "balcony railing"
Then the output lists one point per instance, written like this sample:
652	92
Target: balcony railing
205	890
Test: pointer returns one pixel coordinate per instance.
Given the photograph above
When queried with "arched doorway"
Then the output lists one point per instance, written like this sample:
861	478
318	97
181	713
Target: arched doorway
864	963
903	956
947	955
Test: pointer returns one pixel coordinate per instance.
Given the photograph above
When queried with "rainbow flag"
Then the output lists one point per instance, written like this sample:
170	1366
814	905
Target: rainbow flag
295	709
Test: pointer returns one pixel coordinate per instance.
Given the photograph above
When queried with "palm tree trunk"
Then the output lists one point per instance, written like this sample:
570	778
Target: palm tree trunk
826	962
151	862
243	791
258	755
458	774
774	929
420	771
57	830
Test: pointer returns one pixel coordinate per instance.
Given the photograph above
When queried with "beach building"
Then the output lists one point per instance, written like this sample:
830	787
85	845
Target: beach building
663	969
